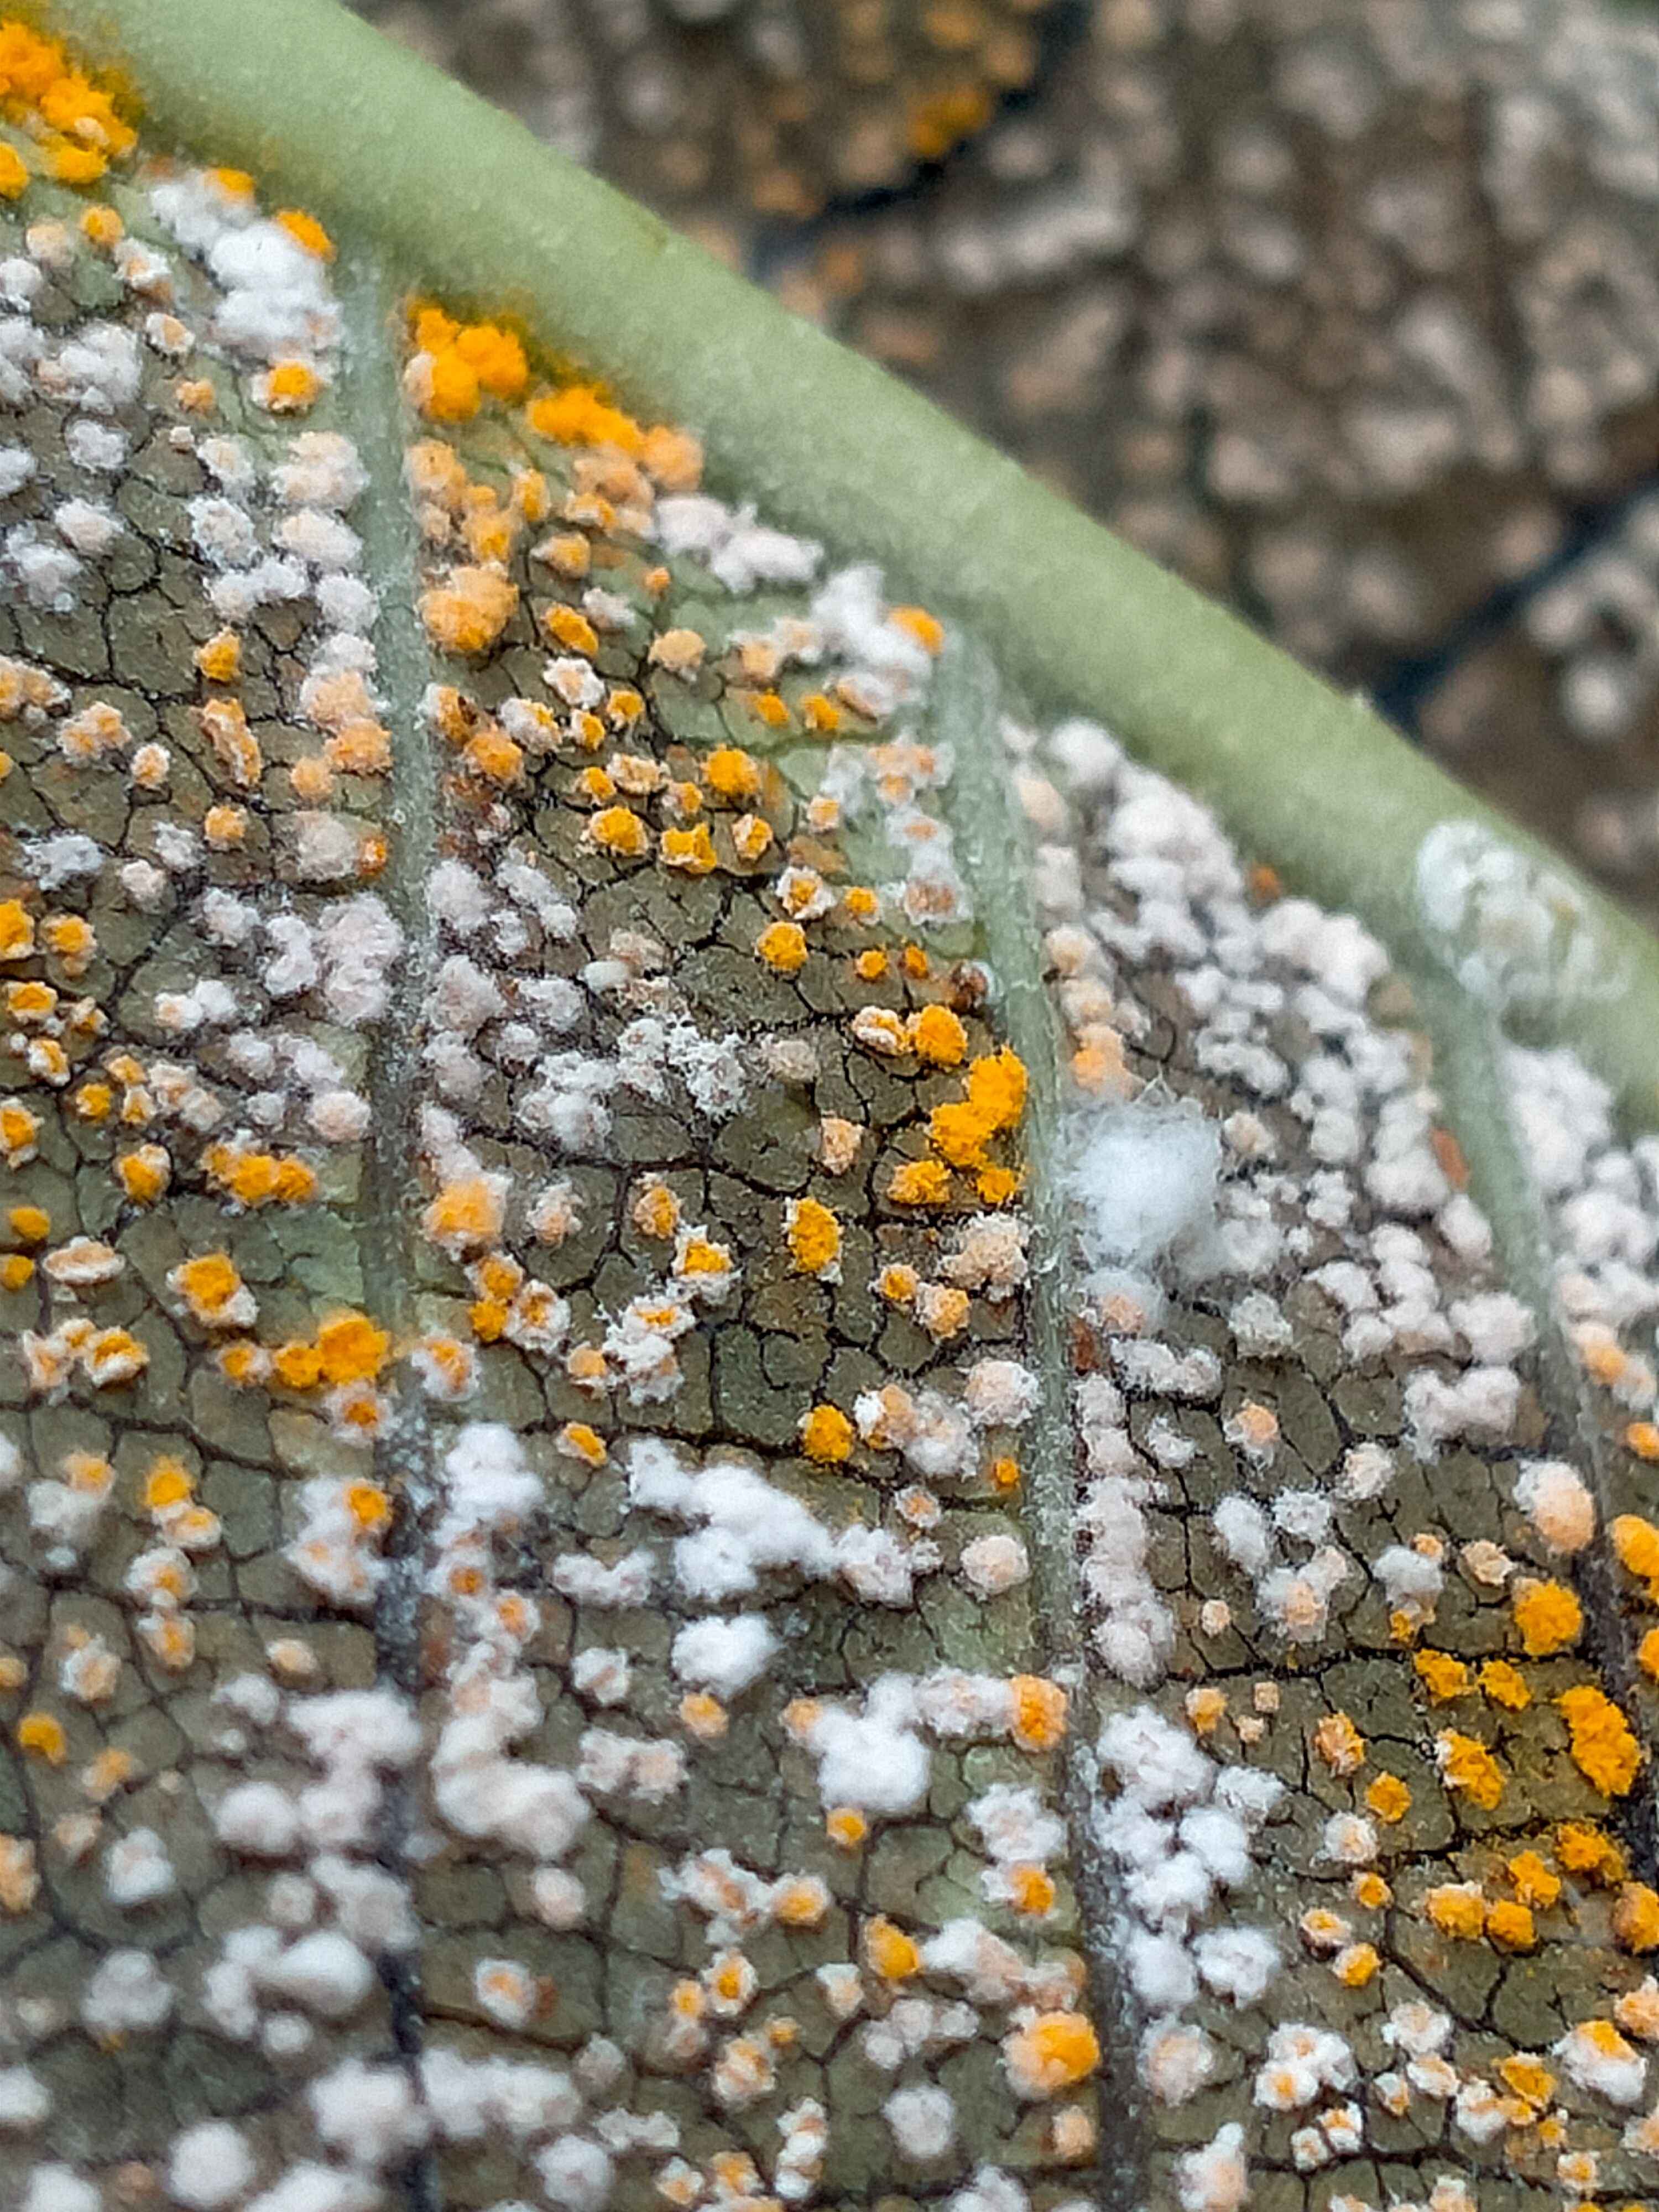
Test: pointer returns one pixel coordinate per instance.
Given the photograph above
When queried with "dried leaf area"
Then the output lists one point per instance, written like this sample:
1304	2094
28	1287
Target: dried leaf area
733	1476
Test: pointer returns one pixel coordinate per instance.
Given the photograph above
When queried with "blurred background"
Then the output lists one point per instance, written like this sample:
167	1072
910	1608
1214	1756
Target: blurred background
1346	309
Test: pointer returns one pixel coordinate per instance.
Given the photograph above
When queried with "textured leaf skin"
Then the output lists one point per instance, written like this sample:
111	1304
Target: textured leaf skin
583	1081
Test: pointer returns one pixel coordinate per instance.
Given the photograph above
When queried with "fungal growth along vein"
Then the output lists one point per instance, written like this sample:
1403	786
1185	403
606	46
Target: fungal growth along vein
539	1664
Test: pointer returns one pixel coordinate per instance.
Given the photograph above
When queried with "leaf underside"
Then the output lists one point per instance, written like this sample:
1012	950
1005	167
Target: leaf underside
767	1445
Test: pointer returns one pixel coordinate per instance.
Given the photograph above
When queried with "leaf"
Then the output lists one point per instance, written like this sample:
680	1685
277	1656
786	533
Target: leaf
764	1443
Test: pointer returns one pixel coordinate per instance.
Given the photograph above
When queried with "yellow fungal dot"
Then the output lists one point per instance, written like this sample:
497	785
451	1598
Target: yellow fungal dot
494	357
937	1035
1032	1891
1054	2051
578	415
291	387
1510	1926
691	851
925	629
465	1215
1548	1615
360	747
1636	1917
996	1087
1467	1766
1635	1541
13	177
102	226
1647	1655
703	1716
71	163
492	756
870	966
351	1348
1534	1883
1390	1798
1584	1849
209	1286
298	1366
813	1234
16	1271
566	627
244	1364
468	611
69	938
306	231
1355	1964
656	1211
731	774
1643	1439
488	1319
16	930
1443	1676
820	714
826	1435
846	1827
1457	1909
920	1183
1603	1749
679	651
618	829
30	1225
1039	1720
368	1505
751	838
769	708
42	1734
891	1952
1206	1708
1505	1686
1340	1744
166	1484
800	1901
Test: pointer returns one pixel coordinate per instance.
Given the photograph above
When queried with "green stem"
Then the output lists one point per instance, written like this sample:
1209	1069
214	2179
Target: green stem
463	198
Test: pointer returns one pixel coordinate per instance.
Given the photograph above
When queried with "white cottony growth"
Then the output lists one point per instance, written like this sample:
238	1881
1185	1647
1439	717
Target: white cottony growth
210	2166
1143	1184
1513	931
724	1656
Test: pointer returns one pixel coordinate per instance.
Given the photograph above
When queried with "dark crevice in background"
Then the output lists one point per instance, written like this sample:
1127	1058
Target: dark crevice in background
1401	692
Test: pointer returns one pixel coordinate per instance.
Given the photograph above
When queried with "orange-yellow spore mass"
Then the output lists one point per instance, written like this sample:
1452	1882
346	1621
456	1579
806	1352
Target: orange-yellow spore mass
826	1435
1603	1747
814	1237
782	946
1467	1766
1039	1717
468	611
1548	1616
